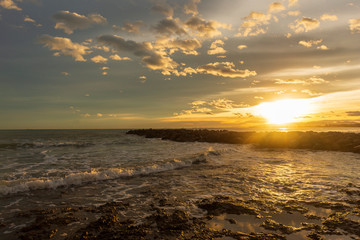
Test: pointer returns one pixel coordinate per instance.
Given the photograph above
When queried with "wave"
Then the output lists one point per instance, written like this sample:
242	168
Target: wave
94	175
44	145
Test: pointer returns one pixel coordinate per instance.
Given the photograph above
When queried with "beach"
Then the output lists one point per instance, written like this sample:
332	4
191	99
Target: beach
177	184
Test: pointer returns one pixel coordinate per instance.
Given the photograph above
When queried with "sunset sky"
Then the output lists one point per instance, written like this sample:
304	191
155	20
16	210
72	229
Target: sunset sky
177	63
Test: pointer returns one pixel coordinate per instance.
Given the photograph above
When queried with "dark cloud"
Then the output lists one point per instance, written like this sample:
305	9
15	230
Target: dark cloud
9	4
205	28
191	7
164	8
132	27
353	113
69	21
169	27
151	58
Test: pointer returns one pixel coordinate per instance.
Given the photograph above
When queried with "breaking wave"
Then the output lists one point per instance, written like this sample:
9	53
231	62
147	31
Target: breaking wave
94	175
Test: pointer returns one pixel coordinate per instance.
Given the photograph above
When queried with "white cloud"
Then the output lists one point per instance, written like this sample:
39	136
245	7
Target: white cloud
311	81
293	3
187	46
216	48
69	21
118	58
354	25
310	43
304	25
276	7
65	46
328	17
254	24
225	69
323	47
99	59
241	47
294	13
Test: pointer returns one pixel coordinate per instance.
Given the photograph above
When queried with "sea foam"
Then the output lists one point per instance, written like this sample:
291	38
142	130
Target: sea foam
94	175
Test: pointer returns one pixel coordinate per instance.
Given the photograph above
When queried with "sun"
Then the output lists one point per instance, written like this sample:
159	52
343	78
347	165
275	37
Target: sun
284	111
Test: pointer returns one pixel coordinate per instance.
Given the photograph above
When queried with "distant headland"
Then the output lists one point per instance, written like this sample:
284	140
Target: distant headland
328	141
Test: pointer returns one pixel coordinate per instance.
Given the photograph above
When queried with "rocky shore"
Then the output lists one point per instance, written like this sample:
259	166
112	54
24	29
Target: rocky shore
223	218
330	141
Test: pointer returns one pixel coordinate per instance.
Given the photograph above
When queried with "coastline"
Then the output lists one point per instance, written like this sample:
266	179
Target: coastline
326	141
226	192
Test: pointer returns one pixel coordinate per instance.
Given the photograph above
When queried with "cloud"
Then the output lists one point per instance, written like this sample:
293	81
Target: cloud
169	27
254	24
225	69
211	107
310	93
191	7
65	46
207	29
9	4
150	57
198	102
187	46
323	47
353	113
354	25
69	21
304	25
310	43
276	7
223	104
216	48
241	47
28	19
189	71
310	81
163	8
328	17
294	13
129	27
99	59
118	58
292	3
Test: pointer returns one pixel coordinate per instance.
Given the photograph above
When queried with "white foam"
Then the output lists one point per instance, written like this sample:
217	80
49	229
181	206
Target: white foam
79	178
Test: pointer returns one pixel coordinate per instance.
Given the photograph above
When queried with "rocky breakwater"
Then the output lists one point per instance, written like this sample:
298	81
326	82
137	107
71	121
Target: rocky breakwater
329	141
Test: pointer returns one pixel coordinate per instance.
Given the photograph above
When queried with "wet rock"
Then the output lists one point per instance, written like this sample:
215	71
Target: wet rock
219	206
293	206
232	221
314	236
270	224
312	217
339	220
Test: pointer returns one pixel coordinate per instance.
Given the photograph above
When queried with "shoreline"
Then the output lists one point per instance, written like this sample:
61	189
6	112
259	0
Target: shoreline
325	141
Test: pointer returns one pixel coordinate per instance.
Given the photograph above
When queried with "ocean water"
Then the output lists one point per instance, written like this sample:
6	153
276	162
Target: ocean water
61	168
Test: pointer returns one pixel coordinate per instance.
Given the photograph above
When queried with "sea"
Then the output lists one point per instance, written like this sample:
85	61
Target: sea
44	169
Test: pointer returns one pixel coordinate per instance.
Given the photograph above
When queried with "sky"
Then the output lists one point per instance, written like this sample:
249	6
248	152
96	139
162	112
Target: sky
178	63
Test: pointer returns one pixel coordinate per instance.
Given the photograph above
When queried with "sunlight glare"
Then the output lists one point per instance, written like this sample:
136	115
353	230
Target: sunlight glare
284	111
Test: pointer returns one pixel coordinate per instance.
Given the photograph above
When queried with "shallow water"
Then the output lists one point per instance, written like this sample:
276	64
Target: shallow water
44	169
